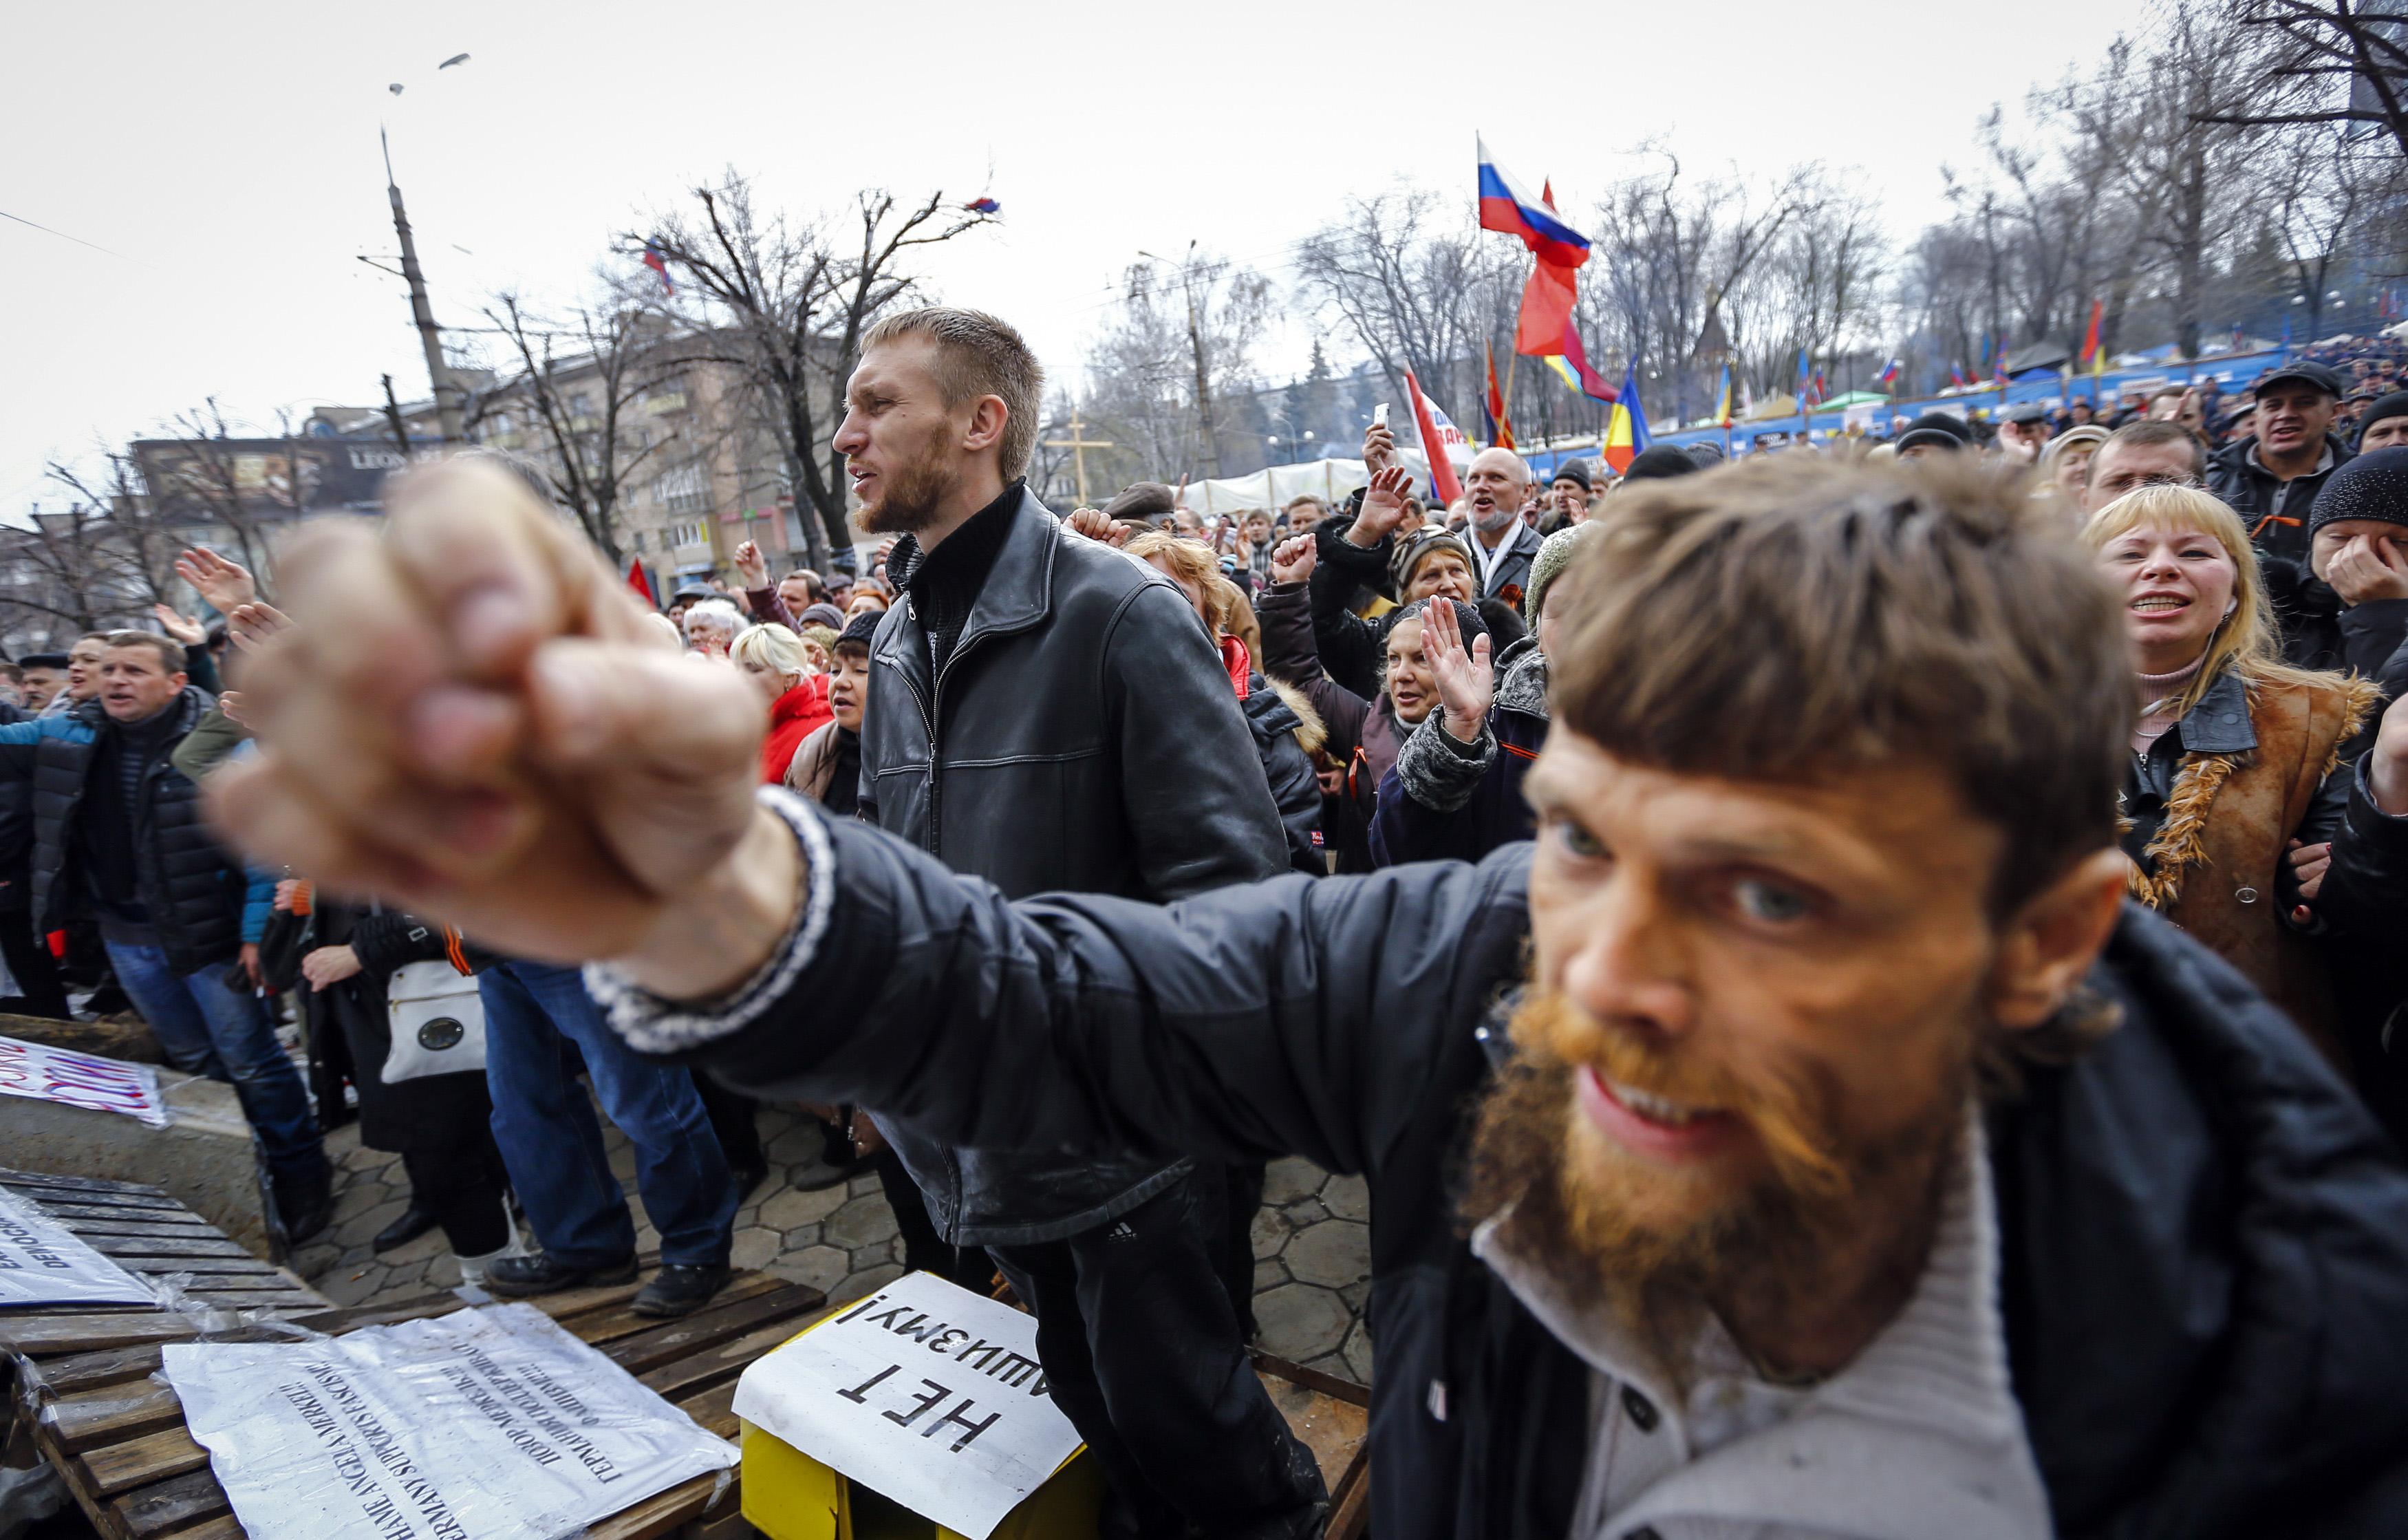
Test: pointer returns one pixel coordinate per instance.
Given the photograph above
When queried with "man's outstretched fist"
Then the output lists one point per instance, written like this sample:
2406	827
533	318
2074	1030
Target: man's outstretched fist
467	719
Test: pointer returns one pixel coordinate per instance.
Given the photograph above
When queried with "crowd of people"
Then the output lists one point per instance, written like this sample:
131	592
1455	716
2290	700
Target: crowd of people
1865	983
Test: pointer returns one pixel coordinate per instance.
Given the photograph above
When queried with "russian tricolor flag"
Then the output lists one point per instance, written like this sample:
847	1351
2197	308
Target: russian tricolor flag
1507	206
1890	372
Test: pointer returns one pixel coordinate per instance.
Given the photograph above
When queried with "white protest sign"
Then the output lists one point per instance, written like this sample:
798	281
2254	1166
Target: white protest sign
62	1076
925	1392
476	1425
41	1262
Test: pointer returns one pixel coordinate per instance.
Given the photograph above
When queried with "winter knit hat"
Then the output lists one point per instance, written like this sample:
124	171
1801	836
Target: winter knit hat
822	614
2372	486
1572	470
1936	429
1663	460
860	631
1420	546
1141	503
1466	617
2393	405
1549	564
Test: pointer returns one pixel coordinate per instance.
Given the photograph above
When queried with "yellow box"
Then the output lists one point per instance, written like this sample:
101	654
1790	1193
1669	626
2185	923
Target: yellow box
788	1496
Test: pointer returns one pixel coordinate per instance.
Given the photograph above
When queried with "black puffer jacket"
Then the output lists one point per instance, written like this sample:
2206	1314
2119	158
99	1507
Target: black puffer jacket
2204	1239
1083	735
194	891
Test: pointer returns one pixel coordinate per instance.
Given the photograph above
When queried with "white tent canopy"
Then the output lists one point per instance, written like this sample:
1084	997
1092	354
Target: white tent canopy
1274	487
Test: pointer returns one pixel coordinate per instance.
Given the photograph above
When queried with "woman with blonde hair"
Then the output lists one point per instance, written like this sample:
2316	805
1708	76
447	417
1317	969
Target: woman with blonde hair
2064	460
2236	785
777	662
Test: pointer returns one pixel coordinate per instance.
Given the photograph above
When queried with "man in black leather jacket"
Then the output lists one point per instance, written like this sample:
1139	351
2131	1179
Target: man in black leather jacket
1850	1161
1044	712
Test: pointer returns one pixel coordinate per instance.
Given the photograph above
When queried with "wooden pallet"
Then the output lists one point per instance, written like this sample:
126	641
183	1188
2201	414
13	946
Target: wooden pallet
150	1235
87	1402
1333	1417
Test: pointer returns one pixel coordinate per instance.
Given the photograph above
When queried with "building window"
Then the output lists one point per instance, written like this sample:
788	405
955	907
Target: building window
688	534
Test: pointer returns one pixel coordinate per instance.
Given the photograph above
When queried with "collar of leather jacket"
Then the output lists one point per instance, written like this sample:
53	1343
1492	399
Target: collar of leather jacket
1018	591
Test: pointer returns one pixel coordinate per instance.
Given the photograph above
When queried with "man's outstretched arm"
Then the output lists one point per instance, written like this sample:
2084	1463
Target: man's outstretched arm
466	722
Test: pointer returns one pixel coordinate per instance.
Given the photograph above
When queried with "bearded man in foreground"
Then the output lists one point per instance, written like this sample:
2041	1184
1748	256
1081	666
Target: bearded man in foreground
1799	1137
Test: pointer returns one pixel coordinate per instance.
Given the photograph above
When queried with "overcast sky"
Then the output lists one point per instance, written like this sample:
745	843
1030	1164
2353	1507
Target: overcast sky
227	155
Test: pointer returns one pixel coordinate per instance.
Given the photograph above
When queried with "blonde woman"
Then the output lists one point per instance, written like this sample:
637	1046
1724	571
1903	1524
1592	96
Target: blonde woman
777	662
2064	460
2235	788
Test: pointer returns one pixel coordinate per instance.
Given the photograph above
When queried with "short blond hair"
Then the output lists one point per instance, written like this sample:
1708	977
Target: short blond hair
774	648
978	355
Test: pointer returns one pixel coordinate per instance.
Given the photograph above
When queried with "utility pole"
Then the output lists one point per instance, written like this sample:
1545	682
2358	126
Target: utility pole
430	336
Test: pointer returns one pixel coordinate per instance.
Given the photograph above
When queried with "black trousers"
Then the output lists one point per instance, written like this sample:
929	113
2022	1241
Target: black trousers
731	1118
40	990
460	1185
923	1249
1140	1347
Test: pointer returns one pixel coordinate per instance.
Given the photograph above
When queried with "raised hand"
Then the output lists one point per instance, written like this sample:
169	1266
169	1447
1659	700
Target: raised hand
222	583
1379	448
465	721
1096	524
1465	685
181	630
250	626
1383	508
751	567
1295	559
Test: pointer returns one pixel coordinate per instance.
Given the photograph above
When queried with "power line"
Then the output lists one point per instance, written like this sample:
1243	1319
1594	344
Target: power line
78	240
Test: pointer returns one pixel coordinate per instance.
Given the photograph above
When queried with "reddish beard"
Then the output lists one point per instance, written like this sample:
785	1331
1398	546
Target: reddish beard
1588	1224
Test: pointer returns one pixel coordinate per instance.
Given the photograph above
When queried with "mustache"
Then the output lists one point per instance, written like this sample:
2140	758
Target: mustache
1788	1113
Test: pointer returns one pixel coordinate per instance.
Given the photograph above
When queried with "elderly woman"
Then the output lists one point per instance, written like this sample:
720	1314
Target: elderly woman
1364	734
2064	460
2236	756
711	625
777	663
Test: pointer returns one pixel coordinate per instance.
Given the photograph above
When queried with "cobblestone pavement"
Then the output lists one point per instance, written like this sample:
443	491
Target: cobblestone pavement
1312	1255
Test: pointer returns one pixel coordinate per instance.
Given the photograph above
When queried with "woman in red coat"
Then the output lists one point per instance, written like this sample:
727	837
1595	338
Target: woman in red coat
773	658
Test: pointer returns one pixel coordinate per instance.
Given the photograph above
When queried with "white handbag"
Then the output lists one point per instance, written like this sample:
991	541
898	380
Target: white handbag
438	1022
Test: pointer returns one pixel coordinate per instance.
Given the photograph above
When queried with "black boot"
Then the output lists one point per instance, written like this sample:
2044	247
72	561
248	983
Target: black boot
678	1289
414	1222
304	1204
516	1277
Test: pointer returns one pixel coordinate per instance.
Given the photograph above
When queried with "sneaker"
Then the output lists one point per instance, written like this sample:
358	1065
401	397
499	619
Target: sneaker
414	1222
516	1277
678	1289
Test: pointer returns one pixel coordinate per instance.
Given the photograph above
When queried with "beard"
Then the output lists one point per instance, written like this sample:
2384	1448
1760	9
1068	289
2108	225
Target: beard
916	489
1659	1247
1496	519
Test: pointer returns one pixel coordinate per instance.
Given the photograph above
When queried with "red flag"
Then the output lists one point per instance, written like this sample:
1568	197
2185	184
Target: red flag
1441	469
642	584
1546	309
2091	337
1500	427
1592	384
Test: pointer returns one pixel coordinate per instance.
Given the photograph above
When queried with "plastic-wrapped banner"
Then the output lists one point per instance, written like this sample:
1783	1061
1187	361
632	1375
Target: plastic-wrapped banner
925	1392
41	1262
473	1426
45	1073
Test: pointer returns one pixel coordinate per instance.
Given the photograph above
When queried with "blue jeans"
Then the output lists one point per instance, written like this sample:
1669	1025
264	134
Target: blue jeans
210	1028
538	1020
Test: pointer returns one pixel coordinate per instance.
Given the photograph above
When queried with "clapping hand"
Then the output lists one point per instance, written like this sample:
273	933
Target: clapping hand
222	584
250	626
1465	684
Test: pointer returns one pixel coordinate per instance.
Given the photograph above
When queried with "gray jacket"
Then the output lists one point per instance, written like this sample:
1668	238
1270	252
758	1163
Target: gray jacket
1083	736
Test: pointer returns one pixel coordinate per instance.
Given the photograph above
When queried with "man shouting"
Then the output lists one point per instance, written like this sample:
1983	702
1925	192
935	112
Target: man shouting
1808	1189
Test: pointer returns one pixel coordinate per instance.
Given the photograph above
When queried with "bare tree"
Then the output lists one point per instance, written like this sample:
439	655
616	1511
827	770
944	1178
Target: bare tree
580	382
95	560
1179	339
2320	195
2328	62
1412	278
788	300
